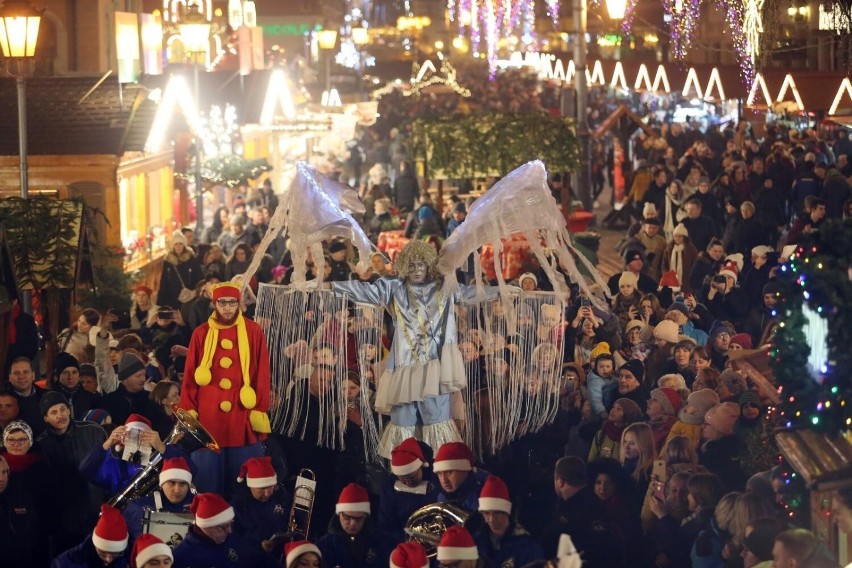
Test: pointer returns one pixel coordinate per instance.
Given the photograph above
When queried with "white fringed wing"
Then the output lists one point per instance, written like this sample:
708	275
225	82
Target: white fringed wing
521	202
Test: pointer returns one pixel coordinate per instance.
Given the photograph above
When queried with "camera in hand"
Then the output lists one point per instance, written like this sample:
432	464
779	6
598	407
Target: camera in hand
585	303
165	314
123	320
719	279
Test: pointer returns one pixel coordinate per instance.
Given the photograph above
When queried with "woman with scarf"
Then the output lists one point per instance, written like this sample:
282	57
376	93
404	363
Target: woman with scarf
181	269
679	256
672	212
607	441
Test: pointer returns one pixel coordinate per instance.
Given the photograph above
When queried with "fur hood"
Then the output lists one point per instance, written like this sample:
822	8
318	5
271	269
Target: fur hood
175	259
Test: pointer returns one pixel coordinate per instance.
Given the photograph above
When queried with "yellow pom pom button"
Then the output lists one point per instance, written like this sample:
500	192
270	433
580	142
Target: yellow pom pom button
248	397
225	406
226	362
225	384
203	376
226	344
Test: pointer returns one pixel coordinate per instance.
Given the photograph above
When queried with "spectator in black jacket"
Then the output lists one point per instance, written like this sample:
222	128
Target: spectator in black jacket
131	397
21	384
701	228
405	188
750	232
19	538
66	380
65	444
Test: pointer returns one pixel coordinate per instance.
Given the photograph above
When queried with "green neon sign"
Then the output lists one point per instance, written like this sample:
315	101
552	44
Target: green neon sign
289	29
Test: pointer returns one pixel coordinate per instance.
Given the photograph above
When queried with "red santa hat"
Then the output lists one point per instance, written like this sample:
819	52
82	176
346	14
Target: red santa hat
258	472
407	457
457	544
211	510
146	548
453	456
137	422
409	555
175	469
110	534
495	496
353	499
730	269
226	290
293	550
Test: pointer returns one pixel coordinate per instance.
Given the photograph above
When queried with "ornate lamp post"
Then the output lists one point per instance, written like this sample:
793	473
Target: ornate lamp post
195	35
19	23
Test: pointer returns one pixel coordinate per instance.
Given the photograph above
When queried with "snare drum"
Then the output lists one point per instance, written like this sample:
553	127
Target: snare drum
171	528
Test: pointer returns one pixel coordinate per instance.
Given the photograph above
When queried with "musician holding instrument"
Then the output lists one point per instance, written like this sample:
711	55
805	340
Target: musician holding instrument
501	541
461	482
261	506
410	489
226	387
106	546
352	539
173	495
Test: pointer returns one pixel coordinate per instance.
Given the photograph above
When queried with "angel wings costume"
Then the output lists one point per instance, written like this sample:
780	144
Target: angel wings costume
425	371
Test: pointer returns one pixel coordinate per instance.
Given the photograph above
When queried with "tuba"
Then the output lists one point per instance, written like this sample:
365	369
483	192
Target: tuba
145	479
428	523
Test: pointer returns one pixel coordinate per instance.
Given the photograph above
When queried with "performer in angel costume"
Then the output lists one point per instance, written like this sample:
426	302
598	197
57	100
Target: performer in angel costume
425	368
425	365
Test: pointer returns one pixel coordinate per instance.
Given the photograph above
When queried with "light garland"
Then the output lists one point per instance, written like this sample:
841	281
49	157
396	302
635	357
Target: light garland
683	21
489	21
753	27
734	15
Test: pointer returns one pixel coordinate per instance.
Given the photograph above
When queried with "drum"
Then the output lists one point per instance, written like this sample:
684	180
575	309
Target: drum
171	528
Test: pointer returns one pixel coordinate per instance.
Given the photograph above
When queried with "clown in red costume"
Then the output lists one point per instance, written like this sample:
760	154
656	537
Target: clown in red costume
226	386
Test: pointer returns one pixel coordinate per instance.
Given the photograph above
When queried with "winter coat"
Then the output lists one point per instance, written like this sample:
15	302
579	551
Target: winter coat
606	440
229	241
722	457
757	321
732	307
515	548
19	537
703	267
688	256
691	431
601	392
84	555
699	335
398	502
78	502
405	191
701	230
257	521
184	271
199	551
28	409
368	549
748	235
121	404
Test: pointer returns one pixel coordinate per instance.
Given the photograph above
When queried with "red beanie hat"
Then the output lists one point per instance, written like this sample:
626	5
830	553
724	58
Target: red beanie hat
457	544
211	510
409	555
743	340
668	398
495	496
226	290
258	472
353	499
176	469
293	550
110	534
138	422
407	457
453	456
146	548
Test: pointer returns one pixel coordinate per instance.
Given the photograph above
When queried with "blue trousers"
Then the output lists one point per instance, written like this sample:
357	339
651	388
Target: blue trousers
217	473
431	410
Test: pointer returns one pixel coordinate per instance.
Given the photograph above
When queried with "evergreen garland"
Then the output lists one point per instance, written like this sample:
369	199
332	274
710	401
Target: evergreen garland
818	276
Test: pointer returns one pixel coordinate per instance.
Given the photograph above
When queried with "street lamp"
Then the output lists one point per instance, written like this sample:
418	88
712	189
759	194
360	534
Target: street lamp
360	36
327	39
195	36
616	9
19	23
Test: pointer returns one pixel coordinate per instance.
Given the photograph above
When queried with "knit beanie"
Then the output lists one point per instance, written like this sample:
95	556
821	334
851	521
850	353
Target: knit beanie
681	230
680	306
636	368
742	339
668	399
64	360
601	348
15	426
178	238
667	330
632	412
723	416
51	398
129	365
697	405
720	327
527	276
748	397
628	278
88	370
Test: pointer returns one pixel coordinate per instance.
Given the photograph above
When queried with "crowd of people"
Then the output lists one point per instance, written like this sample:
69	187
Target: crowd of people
660	452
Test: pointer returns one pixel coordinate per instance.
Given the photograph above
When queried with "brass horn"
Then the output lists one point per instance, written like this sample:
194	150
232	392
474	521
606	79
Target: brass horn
146	479
428	523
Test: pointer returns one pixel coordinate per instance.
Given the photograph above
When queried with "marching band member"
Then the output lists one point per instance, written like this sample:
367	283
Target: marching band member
411	489
173	495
